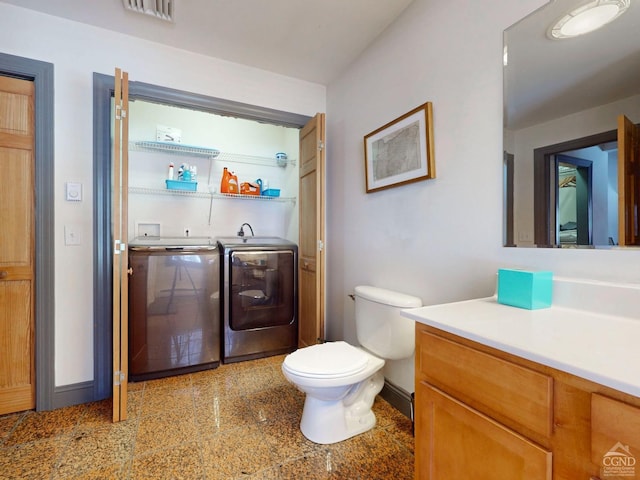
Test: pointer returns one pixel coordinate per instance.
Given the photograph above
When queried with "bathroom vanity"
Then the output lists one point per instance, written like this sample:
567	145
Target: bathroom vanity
508	393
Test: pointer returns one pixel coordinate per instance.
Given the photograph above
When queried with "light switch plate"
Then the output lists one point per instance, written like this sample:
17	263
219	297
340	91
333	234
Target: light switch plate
72	235
74	192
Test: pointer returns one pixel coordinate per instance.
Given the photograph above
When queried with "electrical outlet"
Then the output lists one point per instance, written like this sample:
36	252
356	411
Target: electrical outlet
525	236
187	232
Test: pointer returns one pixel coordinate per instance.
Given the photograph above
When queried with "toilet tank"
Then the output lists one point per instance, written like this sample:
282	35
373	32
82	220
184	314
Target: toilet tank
379	326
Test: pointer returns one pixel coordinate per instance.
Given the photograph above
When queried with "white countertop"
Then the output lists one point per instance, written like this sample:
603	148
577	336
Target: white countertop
596	346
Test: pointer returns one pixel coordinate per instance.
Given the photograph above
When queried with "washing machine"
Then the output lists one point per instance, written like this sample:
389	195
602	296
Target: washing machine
174	306
259	292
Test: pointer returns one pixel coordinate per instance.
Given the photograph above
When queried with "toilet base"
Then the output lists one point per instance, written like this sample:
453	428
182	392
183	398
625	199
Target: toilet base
327	422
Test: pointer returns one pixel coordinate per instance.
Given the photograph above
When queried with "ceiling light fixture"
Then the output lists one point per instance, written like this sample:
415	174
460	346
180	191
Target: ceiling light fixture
588	17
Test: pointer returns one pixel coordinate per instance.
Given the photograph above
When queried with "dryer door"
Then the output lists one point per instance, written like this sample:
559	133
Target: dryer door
262	289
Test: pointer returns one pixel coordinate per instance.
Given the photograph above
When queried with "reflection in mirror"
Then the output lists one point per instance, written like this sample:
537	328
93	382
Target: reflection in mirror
573	192
564	97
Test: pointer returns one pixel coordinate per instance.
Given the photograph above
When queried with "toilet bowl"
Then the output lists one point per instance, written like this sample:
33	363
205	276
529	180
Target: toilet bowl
340	382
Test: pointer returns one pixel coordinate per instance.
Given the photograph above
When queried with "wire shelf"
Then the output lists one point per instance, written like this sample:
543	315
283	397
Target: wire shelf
166	191
210	153
266	198
177	149
186	193
255	160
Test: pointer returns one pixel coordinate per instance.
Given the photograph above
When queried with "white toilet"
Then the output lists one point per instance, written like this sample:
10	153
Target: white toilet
341	381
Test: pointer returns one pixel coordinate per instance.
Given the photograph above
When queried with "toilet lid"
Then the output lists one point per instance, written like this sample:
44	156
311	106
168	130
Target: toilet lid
332	359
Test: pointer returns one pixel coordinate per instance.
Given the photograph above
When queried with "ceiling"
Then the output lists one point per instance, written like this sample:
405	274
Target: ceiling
313	40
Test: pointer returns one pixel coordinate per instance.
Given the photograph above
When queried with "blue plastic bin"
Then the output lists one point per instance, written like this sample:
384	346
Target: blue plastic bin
181	185
271	192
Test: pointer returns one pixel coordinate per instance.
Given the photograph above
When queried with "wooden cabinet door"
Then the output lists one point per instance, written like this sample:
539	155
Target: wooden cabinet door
454	441
615	438
311	246
17	277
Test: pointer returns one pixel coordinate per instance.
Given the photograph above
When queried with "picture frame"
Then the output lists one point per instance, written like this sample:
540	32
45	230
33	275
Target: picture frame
401	151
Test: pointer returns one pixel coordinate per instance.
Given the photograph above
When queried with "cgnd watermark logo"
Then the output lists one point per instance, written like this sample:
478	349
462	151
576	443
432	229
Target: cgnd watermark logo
619	462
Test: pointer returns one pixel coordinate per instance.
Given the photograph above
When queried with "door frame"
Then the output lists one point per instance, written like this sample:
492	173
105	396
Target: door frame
507	172
41	73
543	172
103	90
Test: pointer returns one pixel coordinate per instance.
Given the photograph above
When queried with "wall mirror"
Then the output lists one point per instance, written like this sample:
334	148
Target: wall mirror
563	102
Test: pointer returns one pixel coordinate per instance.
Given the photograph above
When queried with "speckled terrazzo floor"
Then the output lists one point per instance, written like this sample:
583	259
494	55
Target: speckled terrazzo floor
239	421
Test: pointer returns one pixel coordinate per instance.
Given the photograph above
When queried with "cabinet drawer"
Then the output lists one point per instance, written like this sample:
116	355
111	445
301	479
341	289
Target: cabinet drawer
495	386
615	437
454	441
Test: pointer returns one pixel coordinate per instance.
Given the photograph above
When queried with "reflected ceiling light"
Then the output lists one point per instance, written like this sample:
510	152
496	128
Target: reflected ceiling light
588	17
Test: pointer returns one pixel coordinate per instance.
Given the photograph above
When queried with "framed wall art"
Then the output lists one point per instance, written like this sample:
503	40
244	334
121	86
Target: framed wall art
401	151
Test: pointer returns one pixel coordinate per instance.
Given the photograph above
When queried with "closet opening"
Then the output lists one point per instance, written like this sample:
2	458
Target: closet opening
102	231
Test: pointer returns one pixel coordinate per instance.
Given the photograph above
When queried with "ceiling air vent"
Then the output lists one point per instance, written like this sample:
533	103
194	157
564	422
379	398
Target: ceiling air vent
162	9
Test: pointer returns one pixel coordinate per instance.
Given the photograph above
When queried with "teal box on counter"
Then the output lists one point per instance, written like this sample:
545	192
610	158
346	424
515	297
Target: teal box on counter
525	289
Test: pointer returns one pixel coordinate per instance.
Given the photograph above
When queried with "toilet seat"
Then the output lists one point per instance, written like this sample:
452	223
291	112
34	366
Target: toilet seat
327	360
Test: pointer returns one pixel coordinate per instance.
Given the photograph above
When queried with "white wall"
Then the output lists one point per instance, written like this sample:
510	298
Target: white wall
439	239
77	51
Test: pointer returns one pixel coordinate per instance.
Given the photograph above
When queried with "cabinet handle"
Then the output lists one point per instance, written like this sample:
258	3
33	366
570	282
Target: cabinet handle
594	478
3	274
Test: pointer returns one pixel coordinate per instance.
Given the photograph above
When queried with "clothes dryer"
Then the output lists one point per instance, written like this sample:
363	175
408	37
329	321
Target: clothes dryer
259	297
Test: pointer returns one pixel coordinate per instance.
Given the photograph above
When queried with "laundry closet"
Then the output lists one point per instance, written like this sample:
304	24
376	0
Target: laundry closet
183	311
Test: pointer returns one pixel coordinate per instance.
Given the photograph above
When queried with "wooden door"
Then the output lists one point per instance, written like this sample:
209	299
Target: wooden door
120	260
454	441
311	244
628	182
17	225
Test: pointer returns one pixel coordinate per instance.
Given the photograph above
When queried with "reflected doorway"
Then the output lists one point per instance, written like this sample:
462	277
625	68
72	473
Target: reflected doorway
573	192
599	219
